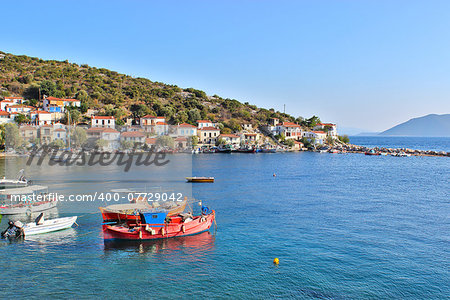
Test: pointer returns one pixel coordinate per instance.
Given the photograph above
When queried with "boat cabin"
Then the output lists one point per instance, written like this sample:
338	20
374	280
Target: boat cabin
156	219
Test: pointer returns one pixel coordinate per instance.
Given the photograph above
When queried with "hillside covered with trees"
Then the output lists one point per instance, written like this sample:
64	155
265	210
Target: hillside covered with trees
122	96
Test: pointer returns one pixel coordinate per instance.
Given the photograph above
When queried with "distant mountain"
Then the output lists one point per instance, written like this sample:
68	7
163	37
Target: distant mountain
369	133
429	125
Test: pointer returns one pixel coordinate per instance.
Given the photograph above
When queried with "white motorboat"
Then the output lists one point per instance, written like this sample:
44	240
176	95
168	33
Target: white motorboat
21	181
47	226
25	200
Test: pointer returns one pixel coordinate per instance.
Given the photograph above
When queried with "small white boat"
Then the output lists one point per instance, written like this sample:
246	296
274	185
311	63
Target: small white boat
21	181
47	226
25	200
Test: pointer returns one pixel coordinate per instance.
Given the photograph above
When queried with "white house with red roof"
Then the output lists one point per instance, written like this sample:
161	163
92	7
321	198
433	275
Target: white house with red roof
204	123
5	103
133	136
103	121
43	118
18	108
110	135
5	117
290	130
161	128
208	135
53	104
230	138
186	130
149	122
15	100
318	136
329	128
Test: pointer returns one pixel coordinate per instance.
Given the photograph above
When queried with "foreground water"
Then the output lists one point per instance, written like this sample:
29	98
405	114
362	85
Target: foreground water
344	226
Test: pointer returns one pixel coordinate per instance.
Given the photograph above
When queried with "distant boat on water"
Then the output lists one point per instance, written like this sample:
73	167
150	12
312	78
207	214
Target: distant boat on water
200	179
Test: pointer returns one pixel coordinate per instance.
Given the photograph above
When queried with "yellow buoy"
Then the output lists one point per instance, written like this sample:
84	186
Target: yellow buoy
276	261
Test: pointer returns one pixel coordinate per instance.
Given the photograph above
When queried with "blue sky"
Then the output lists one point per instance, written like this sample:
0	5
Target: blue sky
362	64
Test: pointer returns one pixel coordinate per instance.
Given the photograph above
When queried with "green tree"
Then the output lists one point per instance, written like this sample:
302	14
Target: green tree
101	143
165	141
48	88
58	144
126	145
194	140
330	140
21	118
193	115
12	136
78	137
345	139
81	95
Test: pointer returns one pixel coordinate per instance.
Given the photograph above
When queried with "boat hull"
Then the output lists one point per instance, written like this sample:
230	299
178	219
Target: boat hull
49	226
176	228
200	179
132	217
19	209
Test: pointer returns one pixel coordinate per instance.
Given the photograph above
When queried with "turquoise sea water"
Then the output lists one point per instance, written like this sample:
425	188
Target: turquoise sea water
344	226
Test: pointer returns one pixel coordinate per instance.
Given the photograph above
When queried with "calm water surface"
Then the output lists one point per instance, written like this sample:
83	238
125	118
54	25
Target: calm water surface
344	226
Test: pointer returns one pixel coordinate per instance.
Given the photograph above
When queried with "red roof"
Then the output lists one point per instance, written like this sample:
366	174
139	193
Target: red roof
161	123
251	134
8	101
181	139
290	124
230	135
94	129
53	98
107	129
47	125
210	128
132	134
203	121
152	117
71	100
6	98
319	132
60	129
4	113
186	125
103	117
150	141
43	112
20	105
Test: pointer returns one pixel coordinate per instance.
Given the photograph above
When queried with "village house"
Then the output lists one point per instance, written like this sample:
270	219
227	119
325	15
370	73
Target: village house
230	138
5	103
247	127
133	136
161	128
318	136
150	142
110	135
43	118
15	100
291	131
329	128
181	142
60	134
29	133
46	134
204	123
103	122
18	108
53	104
149	122
208	135
5	117
186	130
250	137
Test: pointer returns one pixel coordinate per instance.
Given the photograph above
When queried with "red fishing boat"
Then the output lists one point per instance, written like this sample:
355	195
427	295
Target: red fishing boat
157	225
130	212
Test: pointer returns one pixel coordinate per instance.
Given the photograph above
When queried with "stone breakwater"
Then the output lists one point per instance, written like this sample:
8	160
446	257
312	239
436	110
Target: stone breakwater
349	148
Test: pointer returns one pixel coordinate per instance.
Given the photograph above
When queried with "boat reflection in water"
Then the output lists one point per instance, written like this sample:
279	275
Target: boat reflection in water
192	244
